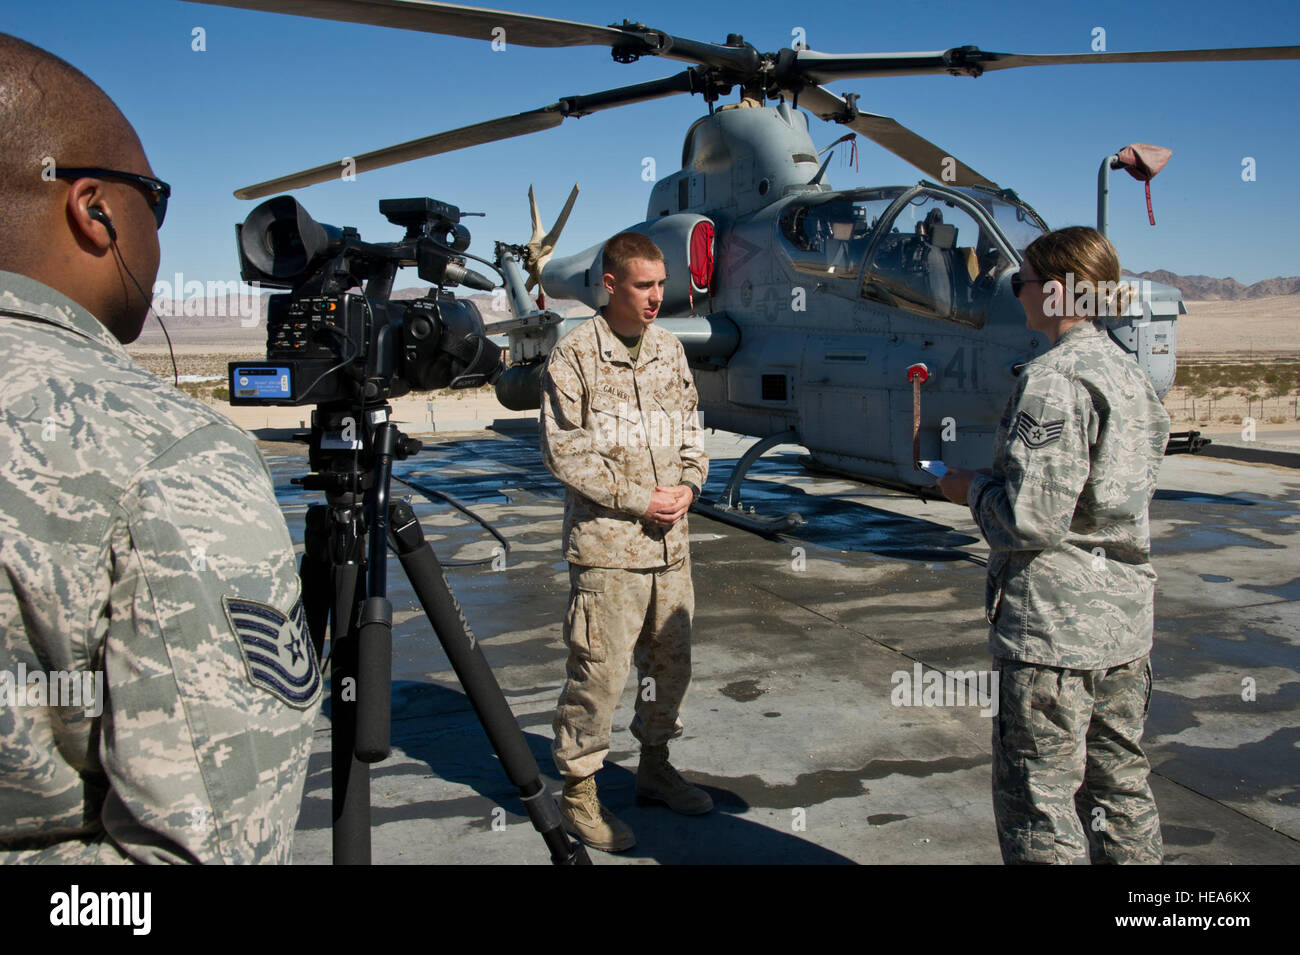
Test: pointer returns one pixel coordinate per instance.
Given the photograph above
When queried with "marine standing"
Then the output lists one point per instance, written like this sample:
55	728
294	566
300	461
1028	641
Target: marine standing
619	430
1070	587
157	683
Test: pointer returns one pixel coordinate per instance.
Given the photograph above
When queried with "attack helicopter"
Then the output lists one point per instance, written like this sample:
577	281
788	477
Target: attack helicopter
874	327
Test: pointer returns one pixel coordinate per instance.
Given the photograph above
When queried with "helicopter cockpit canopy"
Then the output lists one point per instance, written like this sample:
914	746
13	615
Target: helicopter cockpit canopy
929	249
828	238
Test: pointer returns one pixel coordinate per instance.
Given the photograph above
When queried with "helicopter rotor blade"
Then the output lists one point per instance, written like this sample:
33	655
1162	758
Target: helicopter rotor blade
521	124
972	61
1006	61
450	19
628	41
892	135
506	127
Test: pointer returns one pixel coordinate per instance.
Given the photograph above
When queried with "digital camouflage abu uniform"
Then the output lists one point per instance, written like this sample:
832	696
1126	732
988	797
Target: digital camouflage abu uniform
1069	596
612	432
139	538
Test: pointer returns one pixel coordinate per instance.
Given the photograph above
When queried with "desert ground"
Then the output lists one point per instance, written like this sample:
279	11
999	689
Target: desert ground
1250	329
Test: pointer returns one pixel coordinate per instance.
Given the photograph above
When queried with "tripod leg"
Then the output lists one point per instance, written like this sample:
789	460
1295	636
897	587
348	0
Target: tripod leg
331	566
315	574
351	777
439	603
329	582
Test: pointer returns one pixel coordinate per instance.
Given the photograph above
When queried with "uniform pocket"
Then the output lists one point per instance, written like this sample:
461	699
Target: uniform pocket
993	586
1015	717
582	629
1149	679
617	424
670	399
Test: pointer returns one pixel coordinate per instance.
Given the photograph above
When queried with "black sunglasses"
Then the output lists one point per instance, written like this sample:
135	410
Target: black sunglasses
156	190
1018	284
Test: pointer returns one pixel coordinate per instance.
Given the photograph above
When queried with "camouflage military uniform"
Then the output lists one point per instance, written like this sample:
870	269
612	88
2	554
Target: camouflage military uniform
140	538
1069	597
613	430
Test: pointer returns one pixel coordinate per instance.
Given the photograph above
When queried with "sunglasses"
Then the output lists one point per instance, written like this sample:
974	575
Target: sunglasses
1018	284
156	191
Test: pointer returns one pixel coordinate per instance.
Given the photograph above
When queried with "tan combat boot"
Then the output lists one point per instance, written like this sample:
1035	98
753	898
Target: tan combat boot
583	816
656	779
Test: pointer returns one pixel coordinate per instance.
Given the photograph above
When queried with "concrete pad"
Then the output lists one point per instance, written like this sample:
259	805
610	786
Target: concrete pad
793	722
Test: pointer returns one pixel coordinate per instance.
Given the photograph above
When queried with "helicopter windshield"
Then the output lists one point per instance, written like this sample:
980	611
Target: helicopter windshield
829	238
935	259
1018	222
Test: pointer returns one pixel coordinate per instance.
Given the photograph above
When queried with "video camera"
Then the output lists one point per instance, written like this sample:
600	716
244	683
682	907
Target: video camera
328	345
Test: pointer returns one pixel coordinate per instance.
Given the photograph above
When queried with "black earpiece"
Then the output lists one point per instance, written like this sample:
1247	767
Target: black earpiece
99	215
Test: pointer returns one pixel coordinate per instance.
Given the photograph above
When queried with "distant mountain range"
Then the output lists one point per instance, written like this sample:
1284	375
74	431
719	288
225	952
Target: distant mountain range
233	310
245	313
1202	288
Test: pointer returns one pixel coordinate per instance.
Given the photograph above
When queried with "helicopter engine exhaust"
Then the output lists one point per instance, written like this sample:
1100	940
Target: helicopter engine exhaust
687	242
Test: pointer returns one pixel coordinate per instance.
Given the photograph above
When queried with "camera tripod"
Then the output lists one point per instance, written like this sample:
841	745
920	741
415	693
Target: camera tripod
347	536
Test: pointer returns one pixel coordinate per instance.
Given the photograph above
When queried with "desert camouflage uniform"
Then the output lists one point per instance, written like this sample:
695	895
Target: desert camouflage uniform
1069	596
140	537
613	430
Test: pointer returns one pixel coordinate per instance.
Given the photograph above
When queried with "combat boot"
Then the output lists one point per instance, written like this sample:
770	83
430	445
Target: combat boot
583	816
656	779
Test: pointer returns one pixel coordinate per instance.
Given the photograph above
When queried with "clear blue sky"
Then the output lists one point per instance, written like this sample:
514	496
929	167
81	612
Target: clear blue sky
272	94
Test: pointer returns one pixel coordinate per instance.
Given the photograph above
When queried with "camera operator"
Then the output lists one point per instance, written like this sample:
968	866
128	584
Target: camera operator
140	539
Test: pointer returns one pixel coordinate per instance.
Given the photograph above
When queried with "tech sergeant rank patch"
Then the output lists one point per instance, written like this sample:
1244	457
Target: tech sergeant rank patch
277	649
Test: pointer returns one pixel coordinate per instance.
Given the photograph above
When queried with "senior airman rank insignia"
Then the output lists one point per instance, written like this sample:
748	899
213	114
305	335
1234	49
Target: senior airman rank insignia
277	649
1037	435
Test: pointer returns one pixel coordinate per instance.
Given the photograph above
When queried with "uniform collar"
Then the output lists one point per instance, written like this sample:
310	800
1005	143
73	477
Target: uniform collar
611	349
25	298
1080	333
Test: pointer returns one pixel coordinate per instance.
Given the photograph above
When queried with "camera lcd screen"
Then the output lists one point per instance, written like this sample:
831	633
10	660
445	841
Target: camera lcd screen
261	382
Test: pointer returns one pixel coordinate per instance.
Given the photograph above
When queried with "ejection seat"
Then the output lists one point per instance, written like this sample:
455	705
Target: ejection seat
915	270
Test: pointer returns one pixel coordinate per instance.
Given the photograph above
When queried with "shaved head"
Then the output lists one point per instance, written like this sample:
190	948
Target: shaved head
92	238
50	112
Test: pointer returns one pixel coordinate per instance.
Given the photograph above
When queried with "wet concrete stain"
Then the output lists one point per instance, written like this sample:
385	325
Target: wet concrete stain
1200	497
1195	538
1188	646
1215	578
1238	774
478	470
884	818
742	691
810	789
1171	713
1287	591
1185	836
777	484
1209	522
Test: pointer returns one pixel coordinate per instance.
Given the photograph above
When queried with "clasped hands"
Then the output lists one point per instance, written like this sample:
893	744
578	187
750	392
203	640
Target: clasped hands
668	505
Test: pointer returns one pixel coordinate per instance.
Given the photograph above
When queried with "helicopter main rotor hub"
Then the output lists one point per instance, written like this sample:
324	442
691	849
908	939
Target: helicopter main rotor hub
961	61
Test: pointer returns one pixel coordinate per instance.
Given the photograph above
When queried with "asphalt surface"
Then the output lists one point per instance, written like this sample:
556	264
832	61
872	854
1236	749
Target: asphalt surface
801	646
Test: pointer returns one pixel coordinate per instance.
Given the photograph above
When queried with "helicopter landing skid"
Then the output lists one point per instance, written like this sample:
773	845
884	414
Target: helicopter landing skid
729	509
